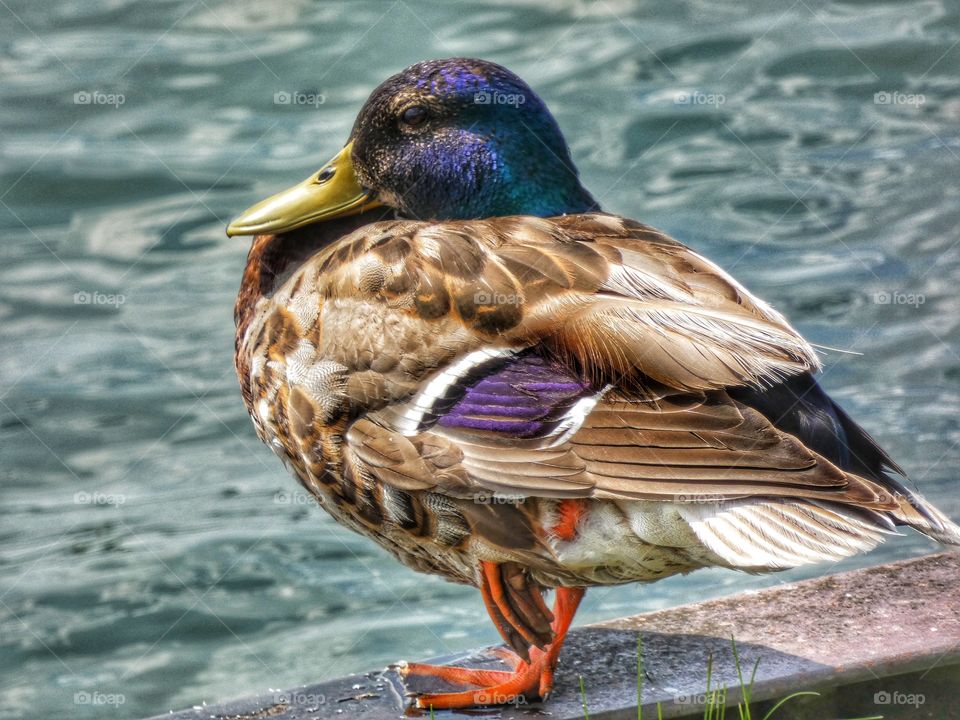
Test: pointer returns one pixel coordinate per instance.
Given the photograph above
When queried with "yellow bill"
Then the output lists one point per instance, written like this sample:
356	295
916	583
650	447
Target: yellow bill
331	192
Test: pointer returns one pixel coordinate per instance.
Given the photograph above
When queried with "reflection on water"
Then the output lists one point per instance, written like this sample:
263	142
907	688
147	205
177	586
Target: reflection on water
154	554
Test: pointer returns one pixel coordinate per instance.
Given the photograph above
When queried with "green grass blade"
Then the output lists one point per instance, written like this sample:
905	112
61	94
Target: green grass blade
708	709
716	698
744	690
753	675
639	676
583	699
788	698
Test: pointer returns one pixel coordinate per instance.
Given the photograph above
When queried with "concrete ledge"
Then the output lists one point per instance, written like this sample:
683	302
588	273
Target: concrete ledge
880	641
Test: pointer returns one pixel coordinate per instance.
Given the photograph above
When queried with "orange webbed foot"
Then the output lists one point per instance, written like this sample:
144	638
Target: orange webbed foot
531	678
528	681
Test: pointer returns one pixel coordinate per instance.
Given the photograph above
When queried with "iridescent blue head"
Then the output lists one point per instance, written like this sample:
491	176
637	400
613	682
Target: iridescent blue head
454	139
461	139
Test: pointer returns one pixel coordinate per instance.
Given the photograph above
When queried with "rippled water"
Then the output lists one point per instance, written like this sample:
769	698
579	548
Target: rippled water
145	551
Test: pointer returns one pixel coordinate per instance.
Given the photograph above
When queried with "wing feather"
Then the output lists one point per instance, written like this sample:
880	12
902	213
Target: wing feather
622	300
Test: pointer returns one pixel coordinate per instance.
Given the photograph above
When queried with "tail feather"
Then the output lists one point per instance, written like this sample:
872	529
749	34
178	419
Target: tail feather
799	406
925	518
759	535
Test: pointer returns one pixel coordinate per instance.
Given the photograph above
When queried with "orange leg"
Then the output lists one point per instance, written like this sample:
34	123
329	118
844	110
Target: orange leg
531	677
516	608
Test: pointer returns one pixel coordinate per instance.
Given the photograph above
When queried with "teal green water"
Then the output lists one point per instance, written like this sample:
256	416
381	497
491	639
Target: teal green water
147	561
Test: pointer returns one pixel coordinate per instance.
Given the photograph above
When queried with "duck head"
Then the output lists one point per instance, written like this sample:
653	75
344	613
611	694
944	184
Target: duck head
441	140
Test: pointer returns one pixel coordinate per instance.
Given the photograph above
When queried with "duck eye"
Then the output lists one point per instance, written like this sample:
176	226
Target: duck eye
414	116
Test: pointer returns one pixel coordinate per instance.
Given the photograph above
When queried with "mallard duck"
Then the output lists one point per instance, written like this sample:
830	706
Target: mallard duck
465	359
